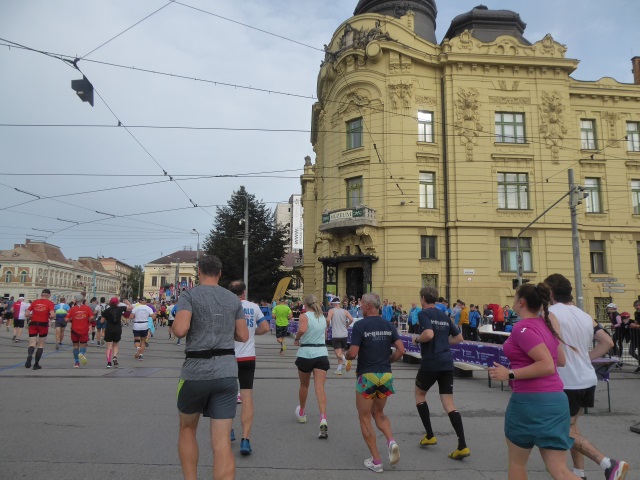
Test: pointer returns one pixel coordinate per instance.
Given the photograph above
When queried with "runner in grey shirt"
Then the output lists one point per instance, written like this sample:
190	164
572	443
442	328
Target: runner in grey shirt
340	320
211	318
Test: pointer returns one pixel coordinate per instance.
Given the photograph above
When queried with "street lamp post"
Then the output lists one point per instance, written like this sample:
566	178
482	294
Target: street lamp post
246	242
197	251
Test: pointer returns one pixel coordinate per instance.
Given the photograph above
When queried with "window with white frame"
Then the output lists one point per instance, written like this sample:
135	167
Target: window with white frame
428	247
597	256
510	127
594	199
427	190
425	126
354	133
23	276
633	136
588	135
509	254
355	194
635	196
513	191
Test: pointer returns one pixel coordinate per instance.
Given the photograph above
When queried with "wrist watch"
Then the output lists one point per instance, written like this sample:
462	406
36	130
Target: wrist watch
512	376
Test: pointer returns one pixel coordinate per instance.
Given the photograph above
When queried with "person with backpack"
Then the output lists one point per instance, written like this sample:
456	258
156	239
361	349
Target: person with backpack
112	320
99	322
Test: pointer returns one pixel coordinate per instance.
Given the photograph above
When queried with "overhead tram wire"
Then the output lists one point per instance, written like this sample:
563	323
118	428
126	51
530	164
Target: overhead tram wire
125	30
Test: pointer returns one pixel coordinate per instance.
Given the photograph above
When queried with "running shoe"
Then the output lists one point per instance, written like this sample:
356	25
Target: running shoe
233	435
284	346
324	429
115	361
37	367
109	365
239	399
245	447
460	454
57	346
394	452
372	466
301	418
83	359
428	441
338	372
178	342
14	338
137	354
146	344
27	364
140	357
348	369
617	471
76	365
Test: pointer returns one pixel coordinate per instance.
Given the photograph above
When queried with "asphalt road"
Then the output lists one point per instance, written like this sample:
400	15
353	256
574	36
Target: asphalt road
66	423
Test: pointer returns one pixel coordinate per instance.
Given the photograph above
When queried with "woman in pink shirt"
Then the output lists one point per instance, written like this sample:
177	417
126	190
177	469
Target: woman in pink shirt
538	411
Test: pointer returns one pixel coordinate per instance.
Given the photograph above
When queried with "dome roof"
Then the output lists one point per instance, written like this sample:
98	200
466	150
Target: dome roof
486	25
425	13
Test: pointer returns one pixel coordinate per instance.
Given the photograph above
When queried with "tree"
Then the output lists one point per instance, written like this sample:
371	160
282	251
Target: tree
135	282
267	243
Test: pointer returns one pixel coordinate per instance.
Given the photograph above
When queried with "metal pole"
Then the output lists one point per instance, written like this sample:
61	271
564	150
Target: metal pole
575	240
94	283
246	247
197	253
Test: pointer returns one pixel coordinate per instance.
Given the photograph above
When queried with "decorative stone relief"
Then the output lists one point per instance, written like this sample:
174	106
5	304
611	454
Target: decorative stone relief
612	122
553	128
367	239
400	94
510	100
466	40
399	63
467	124
422	100
351	105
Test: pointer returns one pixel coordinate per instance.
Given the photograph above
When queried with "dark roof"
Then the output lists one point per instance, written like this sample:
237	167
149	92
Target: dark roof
425	13
182	256
486	25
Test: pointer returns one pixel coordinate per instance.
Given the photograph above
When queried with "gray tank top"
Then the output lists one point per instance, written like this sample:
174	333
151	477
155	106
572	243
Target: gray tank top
339	323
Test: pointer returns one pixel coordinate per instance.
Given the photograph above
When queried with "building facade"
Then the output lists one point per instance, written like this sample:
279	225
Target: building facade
29	268
431	158
165	277
122	271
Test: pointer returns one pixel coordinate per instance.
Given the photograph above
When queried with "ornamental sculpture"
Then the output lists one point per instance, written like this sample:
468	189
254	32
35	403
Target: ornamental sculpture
467	124
553	128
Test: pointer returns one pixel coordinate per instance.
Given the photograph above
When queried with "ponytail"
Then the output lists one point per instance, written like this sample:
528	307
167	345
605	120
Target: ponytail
311	302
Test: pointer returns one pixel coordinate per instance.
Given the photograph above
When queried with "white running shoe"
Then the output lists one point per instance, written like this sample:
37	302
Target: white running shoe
394	453
301	418
372	466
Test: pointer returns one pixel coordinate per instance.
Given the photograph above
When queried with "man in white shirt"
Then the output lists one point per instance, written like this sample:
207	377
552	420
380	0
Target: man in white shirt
579	330
246	358
141	314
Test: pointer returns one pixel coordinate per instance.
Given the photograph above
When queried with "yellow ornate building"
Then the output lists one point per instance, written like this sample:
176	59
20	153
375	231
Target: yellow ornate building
432	157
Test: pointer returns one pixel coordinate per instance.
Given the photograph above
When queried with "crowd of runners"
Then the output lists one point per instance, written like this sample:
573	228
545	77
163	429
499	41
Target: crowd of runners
549	351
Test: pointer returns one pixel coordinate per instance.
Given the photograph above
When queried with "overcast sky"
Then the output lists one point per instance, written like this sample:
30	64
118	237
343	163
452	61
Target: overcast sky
35	89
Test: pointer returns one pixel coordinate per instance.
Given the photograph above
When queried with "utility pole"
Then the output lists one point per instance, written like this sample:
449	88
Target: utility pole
577	194
197	253
246	247
94	283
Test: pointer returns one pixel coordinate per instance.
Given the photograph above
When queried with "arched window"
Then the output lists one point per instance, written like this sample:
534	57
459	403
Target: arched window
8	277
23	277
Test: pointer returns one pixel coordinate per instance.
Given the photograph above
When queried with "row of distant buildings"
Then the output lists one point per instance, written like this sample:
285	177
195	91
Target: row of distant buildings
28	268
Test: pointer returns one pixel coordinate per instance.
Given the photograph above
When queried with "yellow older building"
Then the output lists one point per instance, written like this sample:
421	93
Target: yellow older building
432	157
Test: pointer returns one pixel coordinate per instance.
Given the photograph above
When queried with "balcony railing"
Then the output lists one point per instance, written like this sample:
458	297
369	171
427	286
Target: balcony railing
348	218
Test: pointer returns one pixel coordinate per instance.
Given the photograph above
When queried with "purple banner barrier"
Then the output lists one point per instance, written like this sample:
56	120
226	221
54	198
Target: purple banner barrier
479	353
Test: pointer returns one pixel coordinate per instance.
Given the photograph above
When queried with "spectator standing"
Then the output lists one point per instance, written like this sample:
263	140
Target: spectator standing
616	328
211	317
387	311
413	318
463	324
634	346
474	322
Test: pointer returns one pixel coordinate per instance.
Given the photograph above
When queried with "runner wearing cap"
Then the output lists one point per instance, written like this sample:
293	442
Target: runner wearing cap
40	312
340	319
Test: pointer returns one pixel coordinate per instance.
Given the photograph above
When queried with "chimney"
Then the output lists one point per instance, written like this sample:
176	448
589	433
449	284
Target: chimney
636	70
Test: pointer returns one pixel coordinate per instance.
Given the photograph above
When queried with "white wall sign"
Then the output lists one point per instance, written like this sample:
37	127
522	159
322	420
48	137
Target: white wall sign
468	271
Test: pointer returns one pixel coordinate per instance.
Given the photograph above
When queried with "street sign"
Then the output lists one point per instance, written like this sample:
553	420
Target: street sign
612	290
604	279
614	285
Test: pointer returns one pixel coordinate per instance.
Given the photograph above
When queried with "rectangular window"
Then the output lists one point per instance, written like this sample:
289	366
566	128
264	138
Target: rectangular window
428	247
597	254
638	254
154	281
354	133
355	195
427	190
425	127
635	196
510	127
633	136
508	254
163	281
513	191
430	280
593	200
588	134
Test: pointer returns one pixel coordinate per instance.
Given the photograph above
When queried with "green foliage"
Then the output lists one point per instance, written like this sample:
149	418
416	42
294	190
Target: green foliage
267	244
135	281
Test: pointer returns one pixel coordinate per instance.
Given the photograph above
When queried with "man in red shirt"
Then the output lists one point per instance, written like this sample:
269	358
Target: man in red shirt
40	312
80	317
